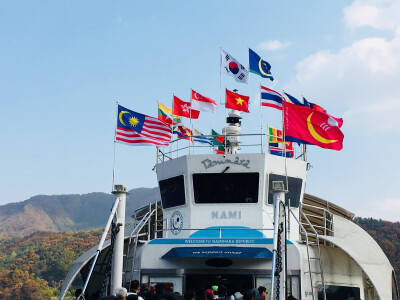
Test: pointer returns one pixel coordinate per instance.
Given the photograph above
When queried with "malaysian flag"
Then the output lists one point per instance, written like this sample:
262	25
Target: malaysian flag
136	129
271	98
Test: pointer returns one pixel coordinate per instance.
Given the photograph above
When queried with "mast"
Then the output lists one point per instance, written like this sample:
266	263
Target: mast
118	252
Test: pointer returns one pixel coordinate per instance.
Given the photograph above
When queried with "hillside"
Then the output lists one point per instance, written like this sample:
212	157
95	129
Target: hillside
387	235
58	213
33	267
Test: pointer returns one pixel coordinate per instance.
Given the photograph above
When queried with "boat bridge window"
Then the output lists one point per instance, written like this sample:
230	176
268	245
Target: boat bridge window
172	191
335	292
226	187
294	189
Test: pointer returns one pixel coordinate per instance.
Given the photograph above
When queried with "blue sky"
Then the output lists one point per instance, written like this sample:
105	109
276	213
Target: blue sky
64	64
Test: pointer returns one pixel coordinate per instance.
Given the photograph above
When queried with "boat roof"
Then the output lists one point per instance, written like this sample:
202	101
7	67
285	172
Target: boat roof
333	208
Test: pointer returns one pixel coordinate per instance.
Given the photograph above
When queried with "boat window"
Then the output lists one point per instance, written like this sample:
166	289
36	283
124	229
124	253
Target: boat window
226	187
172	191
339	292
294	189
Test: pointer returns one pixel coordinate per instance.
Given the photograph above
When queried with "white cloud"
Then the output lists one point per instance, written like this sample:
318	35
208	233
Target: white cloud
370	13
385	209
382	114
273	45
360	79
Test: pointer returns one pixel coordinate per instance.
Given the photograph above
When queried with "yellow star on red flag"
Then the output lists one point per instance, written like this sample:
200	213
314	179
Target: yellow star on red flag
236	101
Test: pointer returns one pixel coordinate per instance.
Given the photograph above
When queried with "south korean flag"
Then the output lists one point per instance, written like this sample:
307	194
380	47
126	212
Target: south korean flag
230	66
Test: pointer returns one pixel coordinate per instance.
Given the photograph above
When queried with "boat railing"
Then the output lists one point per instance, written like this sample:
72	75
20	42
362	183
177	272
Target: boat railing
318	218
249	143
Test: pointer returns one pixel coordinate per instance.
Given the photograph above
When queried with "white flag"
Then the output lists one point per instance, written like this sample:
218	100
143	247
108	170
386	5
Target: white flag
230	66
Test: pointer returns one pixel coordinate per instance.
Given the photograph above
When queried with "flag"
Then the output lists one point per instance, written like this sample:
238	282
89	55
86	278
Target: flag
319	108
220	150
232	67
137	129
313	106
271	98
236	101
259	66
217	139
274	135
165	115
307	126
199	102
183	109
201	138
276	144
279	149
293	99
183	132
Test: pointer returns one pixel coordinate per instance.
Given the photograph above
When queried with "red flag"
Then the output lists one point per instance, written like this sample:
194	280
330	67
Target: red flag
183	109
236	101
308	126
199	102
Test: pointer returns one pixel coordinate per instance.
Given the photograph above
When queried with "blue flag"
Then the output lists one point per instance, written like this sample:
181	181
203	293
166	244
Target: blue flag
201	138
293	100
259	66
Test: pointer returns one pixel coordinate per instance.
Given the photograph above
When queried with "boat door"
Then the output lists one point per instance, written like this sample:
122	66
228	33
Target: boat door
233	282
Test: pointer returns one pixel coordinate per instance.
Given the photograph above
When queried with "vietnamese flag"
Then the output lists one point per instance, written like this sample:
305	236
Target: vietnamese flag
236	101
308	126
183	109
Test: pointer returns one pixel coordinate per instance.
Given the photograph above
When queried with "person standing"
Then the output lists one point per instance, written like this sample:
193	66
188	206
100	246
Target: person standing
135	288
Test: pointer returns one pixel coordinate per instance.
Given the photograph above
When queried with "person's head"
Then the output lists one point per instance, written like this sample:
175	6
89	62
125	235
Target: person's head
121	293
238	296
255	294
215	289
149	295
222	291
209	294
159	289
248	295
132	297
209	297
200	294
263	291
135	286
144	287
189	295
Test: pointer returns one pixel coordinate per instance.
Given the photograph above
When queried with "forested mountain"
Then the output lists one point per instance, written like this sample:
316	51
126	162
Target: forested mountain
67	212
34	267
387	235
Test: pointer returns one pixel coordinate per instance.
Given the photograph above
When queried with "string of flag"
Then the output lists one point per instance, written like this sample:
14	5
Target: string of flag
304	122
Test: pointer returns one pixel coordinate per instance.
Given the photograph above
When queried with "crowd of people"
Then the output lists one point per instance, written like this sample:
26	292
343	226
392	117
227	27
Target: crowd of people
162	291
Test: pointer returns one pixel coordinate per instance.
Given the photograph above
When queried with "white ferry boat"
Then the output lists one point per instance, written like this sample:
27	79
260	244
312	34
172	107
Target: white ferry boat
242	220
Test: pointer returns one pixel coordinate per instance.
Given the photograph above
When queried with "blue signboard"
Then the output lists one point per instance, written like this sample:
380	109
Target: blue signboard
215	252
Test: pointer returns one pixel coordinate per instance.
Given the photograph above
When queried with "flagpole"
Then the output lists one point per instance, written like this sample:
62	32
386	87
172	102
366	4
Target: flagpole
115	135
269	152
304	145
261	121
226	115
220	76
284	140
248	50
190	117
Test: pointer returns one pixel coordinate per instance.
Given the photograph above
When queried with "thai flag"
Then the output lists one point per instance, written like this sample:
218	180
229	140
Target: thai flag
271	98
